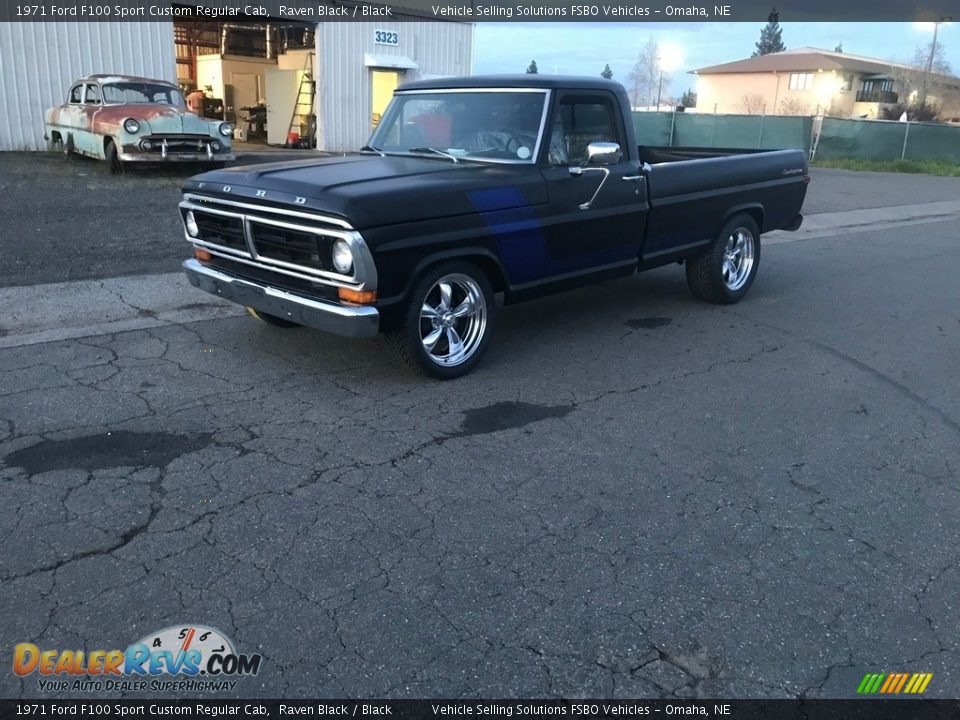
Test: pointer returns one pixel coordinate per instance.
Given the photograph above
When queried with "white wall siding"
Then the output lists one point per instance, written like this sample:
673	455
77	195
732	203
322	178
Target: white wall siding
343	88
39	61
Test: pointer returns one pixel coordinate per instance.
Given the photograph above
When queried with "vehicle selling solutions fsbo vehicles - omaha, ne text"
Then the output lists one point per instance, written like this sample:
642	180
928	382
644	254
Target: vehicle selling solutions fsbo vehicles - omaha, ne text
520	185
120	119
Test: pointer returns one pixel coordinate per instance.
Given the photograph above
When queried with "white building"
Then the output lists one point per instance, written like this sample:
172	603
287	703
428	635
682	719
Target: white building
355	67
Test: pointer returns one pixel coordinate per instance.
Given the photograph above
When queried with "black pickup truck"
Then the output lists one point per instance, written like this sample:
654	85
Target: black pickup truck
470	187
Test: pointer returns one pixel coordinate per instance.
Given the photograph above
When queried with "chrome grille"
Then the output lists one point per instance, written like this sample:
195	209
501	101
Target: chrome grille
279	239
294	246
225	230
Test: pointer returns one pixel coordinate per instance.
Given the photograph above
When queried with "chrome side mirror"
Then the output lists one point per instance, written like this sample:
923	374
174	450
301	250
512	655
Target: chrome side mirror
603	153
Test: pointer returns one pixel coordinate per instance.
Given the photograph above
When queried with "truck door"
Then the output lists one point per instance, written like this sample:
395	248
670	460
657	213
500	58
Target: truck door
595	217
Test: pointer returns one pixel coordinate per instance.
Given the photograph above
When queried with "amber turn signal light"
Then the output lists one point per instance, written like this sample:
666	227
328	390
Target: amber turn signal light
202	255
358	297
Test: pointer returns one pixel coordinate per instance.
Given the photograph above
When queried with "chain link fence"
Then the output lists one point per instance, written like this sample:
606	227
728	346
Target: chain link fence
839	139
737	132
821	137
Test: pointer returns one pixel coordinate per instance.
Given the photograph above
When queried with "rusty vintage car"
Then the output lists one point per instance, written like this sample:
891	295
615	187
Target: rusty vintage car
122	119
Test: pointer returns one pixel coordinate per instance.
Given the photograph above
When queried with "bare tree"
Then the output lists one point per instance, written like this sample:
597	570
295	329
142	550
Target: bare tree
794	107
915	85
751	104
644	79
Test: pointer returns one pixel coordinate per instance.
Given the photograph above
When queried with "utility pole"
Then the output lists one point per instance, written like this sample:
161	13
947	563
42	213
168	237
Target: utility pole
929	69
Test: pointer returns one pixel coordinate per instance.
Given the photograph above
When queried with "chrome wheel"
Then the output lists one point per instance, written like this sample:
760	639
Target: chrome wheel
737	258
453	319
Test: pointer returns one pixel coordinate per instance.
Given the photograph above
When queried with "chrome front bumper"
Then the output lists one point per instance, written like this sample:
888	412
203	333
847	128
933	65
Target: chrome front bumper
152	157
349	321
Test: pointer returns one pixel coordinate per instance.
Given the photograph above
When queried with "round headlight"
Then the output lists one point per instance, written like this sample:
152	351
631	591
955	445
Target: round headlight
342	257
131	126
191	223
215	146
226	129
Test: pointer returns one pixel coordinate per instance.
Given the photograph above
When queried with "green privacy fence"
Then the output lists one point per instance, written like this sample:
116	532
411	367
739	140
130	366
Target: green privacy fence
886	140
742	132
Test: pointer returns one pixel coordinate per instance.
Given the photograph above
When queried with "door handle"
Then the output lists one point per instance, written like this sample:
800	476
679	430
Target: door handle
632	177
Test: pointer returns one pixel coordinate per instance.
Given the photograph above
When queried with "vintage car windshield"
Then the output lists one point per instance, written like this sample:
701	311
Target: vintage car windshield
136	93
498	125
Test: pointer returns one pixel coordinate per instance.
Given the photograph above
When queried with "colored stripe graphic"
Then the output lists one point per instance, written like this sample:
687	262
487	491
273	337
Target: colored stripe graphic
903	681
894	683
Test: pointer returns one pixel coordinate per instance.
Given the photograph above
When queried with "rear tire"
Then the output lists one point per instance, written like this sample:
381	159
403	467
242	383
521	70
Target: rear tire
271	319
447	324
724	273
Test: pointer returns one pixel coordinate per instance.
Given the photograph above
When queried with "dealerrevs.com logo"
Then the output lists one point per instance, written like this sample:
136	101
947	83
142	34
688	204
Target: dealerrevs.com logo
190	658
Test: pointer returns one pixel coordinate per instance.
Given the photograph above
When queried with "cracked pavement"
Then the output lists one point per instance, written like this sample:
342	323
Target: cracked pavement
635	494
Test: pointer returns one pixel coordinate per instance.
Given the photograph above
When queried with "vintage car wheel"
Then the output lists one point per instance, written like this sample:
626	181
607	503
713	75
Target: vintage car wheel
271	319
448	321
724	273
114	163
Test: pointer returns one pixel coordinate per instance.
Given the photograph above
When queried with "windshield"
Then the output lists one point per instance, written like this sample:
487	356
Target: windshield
142	93
500	126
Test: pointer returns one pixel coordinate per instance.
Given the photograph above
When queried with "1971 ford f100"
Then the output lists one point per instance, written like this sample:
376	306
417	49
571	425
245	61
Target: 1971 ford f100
475	186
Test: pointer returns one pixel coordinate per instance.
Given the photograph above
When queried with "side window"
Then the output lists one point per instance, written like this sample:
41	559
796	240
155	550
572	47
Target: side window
92	96
76	94
579	121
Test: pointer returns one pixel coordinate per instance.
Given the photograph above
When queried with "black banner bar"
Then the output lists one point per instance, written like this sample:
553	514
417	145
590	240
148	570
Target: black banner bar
866	709
475	10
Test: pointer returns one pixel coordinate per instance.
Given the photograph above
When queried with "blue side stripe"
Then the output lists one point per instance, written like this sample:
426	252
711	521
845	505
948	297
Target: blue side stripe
517	229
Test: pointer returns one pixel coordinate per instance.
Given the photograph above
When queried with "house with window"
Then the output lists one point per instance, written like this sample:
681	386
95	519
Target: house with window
808	81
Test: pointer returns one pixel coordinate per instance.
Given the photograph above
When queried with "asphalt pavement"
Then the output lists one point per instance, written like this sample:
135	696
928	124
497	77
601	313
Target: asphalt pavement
635	494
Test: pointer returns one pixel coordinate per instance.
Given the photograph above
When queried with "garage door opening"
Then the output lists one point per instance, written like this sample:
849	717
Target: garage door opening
259	76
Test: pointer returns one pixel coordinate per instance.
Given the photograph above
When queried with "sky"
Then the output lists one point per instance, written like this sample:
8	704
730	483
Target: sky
584	48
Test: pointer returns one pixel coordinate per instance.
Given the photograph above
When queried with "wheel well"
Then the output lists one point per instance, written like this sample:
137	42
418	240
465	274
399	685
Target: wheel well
491	269
107	142
487	265
757	215
754	212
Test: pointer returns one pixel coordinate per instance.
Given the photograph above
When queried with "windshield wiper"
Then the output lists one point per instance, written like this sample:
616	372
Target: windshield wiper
371	148
434	150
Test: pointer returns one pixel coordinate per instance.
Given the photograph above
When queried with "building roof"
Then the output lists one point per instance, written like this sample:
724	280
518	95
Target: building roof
806	59
532	80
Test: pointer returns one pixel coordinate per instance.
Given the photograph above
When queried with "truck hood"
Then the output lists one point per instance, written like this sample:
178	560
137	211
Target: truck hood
372	191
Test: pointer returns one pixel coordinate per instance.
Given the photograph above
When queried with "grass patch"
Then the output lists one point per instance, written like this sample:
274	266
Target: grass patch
917	167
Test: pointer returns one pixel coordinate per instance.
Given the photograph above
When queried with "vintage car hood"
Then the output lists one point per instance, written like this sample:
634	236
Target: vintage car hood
161	119
164	119
372	191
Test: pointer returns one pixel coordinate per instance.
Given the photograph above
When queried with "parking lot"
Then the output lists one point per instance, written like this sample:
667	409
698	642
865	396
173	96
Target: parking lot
636	494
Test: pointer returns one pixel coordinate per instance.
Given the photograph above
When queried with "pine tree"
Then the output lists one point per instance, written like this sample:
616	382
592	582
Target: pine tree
532	68
770	36
607	72
689	99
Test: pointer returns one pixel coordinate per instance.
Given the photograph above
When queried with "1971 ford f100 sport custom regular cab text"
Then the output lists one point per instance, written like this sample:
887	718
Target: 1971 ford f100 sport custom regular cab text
474	186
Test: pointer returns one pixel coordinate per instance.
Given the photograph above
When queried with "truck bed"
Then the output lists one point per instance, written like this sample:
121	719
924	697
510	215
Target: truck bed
692	189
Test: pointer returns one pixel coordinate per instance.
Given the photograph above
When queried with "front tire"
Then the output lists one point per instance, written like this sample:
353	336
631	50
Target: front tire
724	273
448	321
114	163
